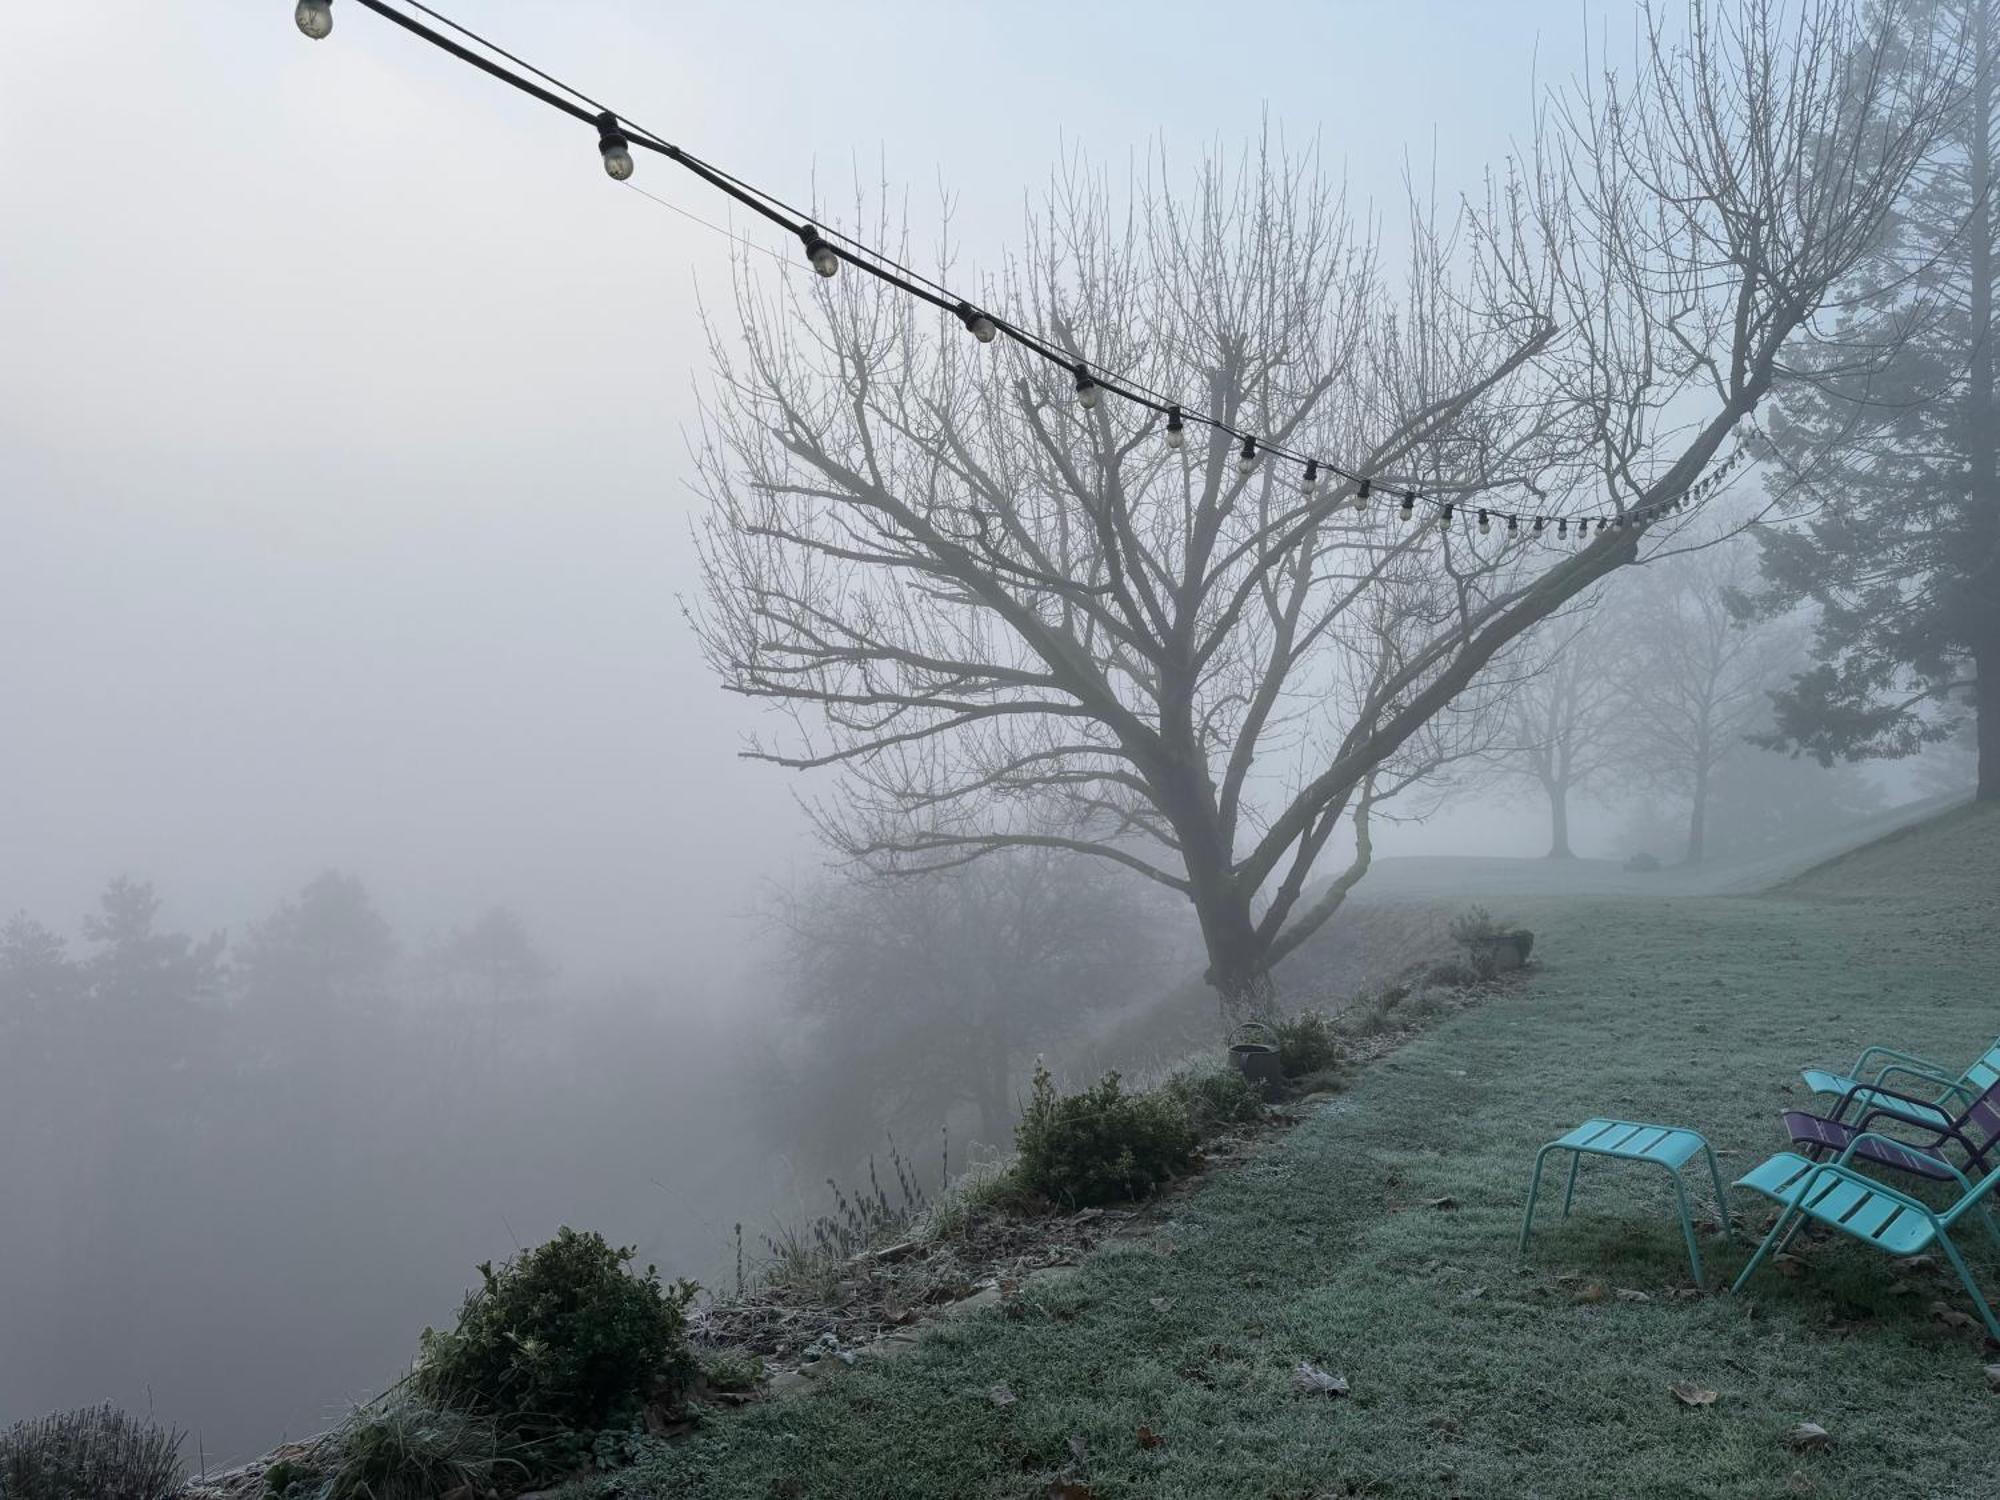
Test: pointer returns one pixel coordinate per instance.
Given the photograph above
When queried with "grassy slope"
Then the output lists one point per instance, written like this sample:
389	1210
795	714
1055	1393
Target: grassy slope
1696	1010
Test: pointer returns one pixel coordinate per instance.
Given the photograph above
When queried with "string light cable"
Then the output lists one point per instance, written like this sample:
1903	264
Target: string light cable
826	249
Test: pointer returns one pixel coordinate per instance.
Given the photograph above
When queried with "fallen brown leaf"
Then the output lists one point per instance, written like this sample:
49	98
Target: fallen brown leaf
1160	1304
1798	1484
1592	1291
1000	1395
1079	1449
1449	1426
1809	1437
1149	1438
1689	1394
1918	1263
1629	1294
1789	1265
1446	1203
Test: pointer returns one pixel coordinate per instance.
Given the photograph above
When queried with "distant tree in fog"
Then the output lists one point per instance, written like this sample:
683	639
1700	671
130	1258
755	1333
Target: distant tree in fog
1564	731
151	992
923	997
493	965
973	595
318	967
1890	455
1699	680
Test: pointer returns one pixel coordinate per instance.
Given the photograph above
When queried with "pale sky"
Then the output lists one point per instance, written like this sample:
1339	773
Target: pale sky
344	401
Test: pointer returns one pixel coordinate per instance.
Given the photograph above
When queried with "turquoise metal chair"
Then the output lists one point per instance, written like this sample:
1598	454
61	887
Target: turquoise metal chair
1834	1194
1954	1093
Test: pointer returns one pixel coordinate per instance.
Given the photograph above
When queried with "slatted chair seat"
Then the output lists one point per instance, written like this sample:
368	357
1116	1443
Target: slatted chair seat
1876	1214
1834	1194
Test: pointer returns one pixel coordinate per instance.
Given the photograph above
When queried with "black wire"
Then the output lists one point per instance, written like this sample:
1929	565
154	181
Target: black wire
521	62
865	258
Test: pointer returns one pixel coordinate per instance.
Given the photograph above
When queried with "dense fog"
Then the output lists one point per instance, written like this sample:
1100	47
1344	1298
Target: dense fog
381	886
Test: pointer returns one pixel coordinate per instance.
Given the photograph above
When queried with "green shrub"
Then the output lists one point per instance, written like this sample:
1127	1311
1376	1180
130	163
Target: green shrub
561	1337
411	1449
1306	1044
98	1453
1100	1144
1213	1097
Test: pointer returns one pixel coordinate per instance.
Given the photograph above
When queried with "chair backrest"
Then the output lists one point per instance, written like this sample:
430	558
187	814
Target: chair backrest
1982	1120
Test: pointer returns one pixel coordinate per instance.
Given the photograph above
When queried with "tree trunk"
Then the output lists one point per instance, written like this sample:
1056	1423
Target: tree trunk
1986	724
1698	819
1239	965
1982	442
1559	823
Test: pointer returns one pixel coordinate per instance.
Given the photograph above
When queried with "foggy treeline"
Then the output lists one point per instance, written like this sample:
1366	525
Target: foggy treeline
245	1174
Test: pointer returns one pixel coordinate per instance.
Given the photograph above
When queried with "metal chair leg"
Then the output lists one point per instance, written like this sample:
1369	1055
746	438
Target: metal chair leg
1765	1248
1687	1227
1971	1290
1575	1161
1721	1194
1534	1189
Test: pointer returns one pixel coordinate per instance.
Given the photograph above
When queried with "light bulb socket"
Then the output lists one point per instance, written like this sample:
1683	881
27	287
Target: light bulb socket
1176	429
1086	389
824	258
613	146
977	323
1311	481
1246	460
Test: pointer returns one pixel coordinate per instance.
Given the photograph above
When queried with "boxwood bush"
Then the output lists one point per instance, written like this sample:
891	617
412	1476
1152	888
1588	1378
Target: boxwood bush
1101	1144
565	1337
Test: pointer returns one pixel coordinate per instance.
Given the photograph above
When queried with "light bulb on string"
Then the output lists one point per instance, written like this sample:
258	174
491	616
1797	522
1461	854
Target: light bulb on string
977	323
1362	492
1513	528
1086	389
1446	512
1310	484
1246	460
1176	431
1485	524
1540	523
613	147
315	18
822	255
1409	504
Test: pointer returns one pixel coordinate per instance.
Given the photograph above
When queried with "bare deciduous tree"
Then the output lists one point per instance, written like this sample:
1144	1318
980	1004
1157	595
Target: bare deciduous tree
1563	728
1702	678
976	599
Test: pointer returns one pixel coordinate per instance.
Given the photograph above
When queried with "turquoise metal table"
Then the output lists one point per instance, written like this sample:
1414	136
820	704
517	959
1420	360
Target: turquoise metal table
1668	1146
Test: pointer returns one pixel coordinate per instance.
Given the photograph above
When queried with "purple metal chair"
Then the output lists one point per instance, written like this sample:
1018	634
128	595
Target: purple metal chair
1976	1132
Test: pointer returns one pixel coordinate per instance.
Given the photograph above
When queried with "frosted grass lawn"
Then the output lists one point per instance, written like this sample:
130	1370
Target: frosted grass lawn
1475	1372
